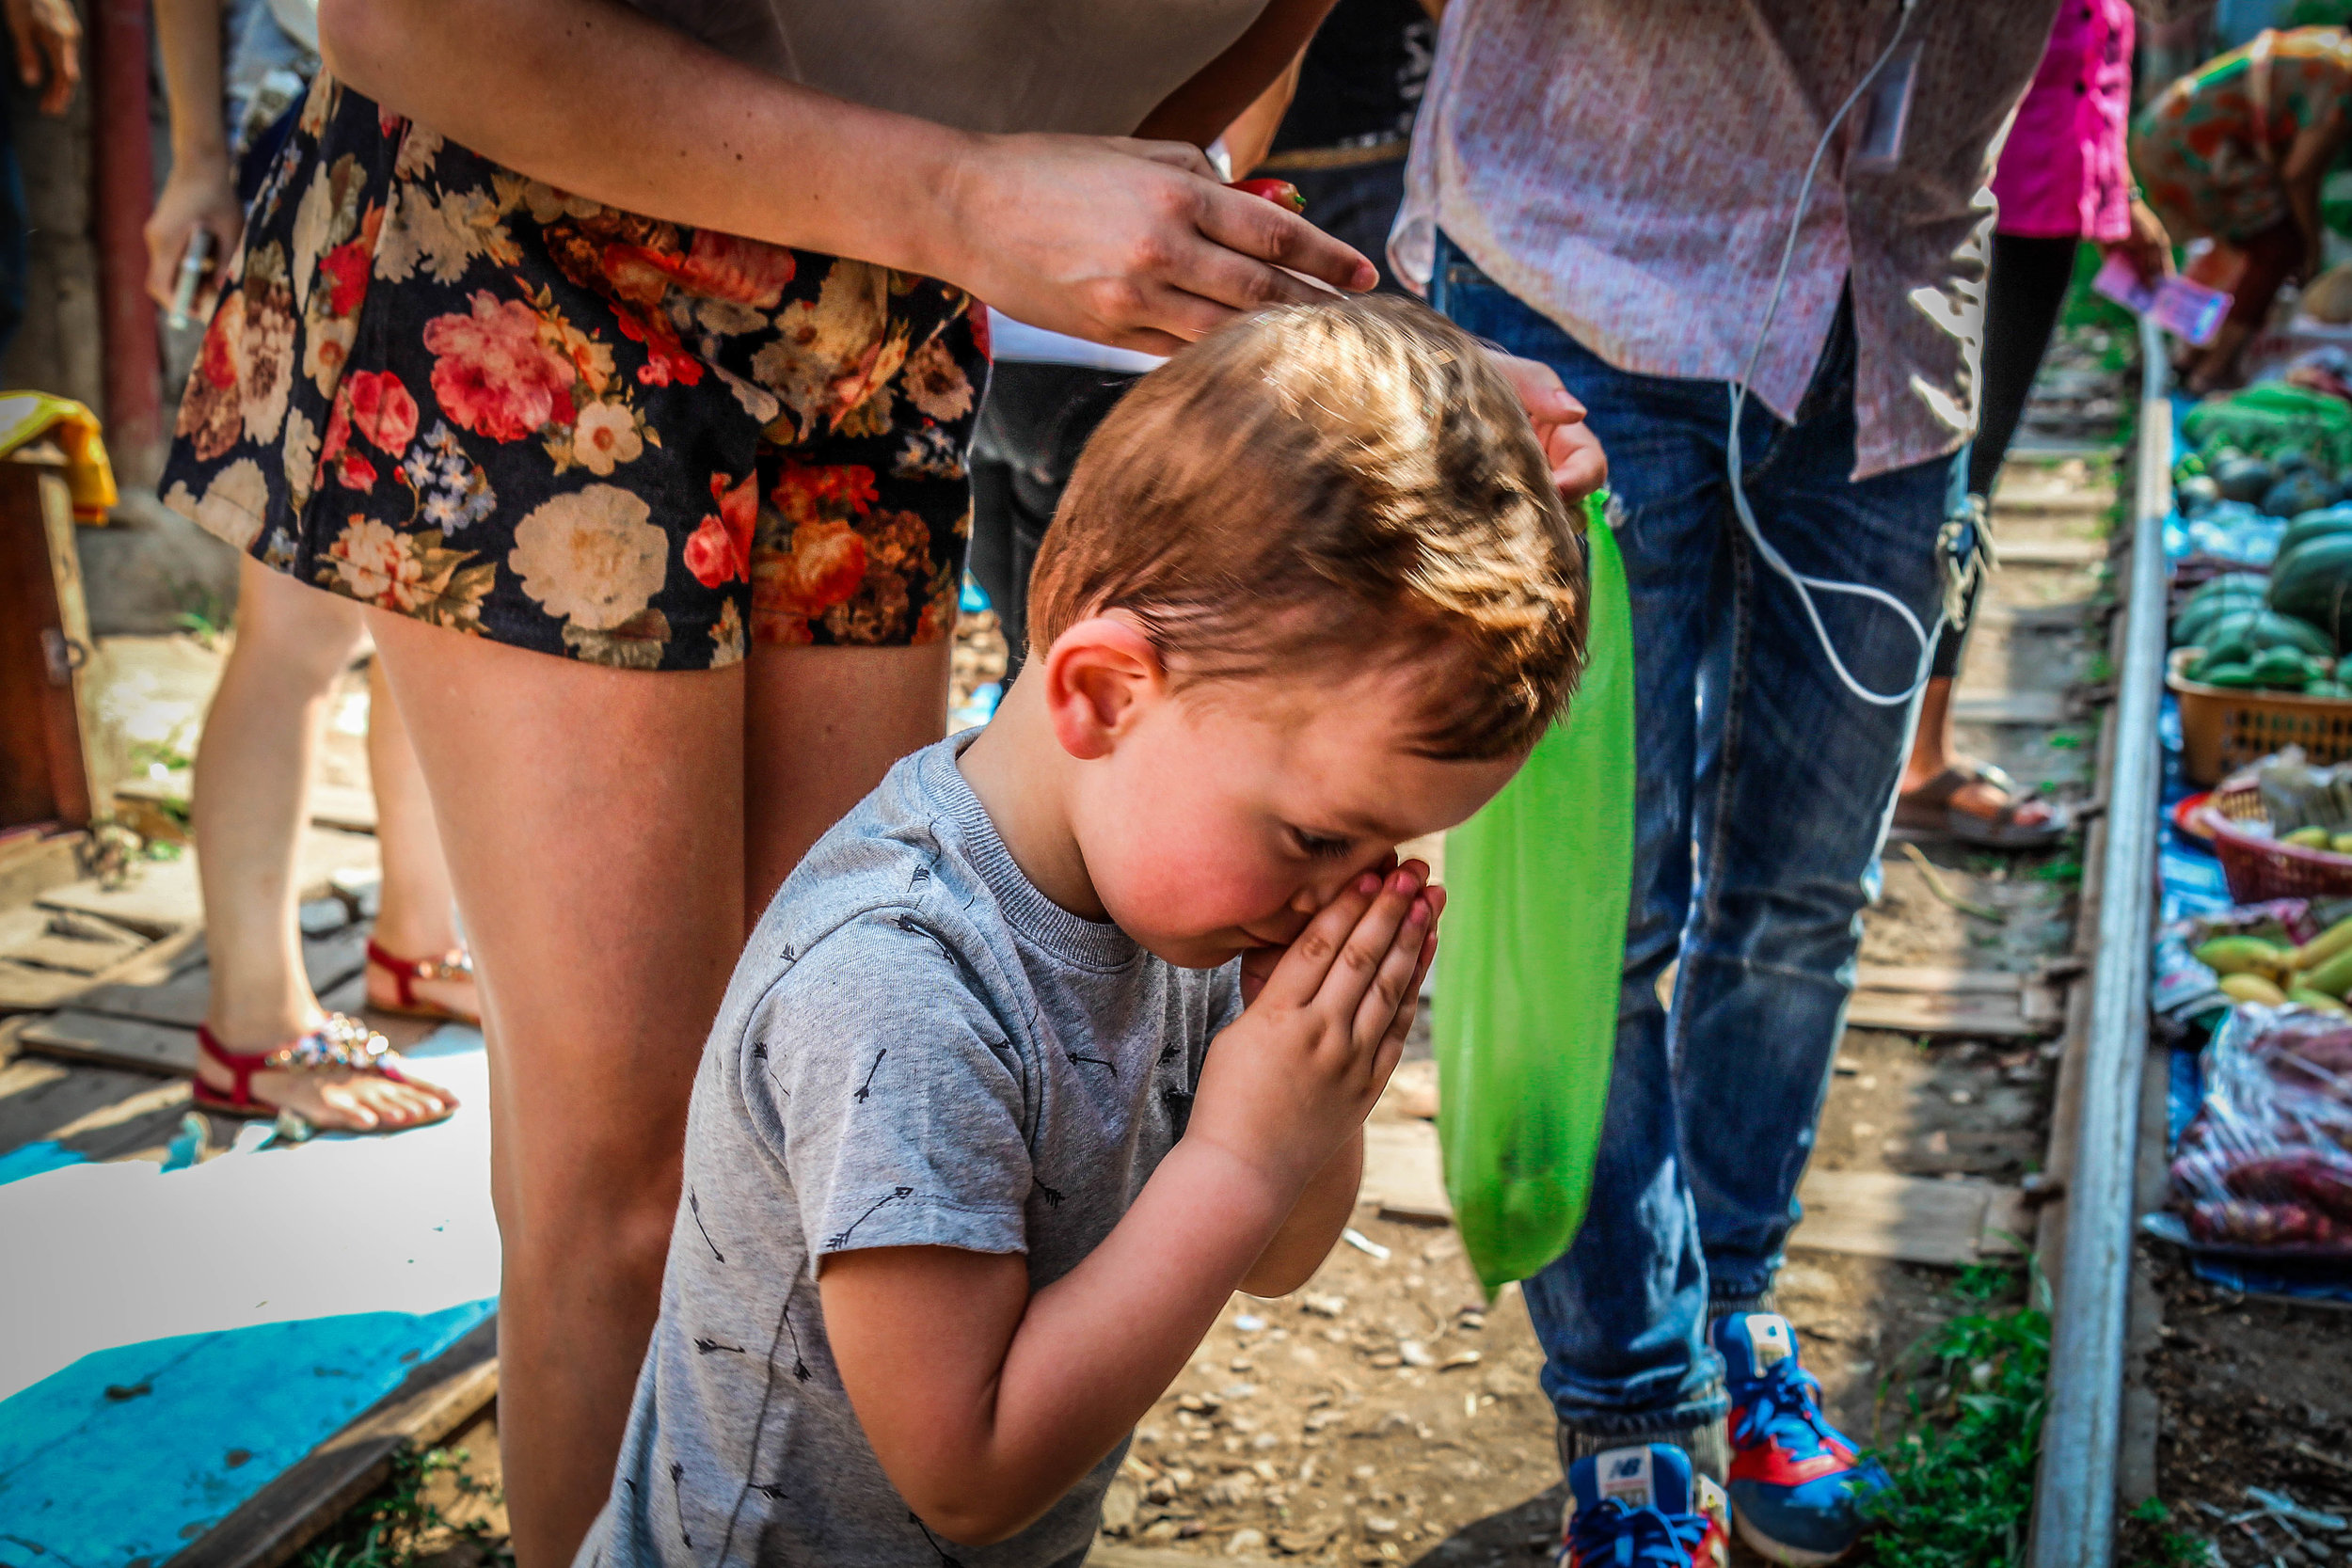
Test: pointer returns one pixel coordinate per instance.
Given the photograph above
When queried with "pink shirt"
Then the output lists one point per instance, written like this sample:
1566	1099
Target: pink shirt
2063	173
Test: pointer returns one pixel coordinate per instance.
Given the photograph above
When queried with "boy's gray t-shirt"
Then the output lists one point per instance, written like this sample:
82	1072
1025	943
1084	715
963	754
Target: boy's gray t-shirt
918	1049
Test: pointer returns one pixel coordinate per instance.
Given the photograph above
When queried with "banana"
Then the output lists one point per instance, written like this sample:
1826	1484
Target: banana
2252	988
2243	956
2325	945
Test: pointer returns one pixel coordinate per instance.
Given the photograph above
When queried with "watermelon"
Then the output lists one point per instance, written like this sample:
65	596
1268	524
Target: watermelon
2310	525
2243	479
2300	492
2314	582
2264	629
2195	623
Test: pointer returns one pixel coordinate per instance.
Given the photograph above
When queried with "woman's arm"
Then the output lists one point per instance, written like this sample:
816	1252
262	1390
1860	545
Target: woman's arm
1121	242
1252	132
201	192
2303	169
1225	88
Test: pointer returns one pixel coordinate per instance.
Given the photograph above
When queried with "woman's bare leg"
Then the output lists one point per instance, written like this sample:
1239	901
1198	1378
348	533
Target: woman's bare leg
252	783
823	726
418	918
593	822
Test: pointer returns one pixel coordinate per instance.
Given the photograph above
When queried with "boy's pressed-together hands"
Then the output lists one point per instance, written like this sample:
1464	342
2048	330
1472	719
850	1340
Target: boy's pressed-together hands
985	1402
1288	1083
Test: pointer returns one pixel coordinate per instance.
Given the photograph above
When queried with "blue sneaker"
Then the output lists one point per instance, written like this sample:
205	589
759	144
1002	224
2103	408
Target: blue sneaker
1796	1484
1641	1507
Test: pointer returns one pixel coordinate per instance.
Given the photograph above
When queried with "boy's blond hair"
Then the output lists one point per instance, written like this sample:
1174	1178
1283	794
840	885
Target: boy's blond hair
1345	482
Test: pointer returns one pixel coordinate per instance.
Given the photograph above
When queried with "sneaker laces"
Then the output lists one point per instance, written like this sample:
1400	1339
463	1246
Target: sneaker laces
1626	1537
1786	1396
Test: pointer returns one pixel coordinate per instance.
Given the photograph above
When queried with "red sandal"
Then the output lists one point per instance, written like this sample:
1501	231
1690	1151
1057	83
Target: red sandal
340	1040
456	964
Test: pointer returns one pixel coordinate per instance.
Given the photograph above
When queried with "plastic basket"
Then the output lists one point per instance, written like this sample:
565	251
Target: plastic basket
2258	866
2224	728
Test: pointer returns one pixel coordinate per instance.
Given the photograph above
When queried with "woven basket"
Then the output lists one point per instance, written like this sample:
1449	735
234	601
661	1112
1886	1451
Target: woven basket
2258	866
2224	728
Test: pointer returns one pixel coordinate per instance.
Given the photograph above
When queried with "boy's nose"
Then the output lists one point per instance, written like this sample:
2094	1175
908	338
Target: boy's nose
1313	897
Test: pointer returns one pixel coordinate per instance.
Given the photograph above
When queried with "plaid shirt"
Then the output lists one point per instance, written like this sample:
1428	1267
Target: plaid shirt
1629	168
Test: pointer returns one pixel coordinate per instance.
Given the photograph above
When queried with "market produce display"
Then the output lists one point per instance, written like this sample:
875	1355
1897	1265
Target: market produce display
2278	451
2267	1161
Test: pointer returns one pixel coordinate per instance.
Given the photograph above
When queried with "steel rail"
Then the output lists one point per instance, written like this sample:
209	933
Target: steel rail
2074	1495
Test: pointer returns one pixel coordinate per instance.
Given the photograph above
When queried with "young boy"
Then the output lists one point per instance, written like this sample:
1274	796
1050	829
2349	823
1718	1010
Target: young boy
992	1124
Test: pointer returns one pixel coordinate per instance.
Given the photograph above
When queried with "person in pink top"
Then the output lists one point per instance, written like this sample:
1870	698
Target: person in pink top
2063	178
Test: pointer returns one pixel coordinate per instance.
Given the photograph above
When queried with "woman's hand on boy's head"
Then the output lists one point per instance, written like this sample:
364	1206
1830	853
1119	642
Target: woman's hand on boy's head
1578	467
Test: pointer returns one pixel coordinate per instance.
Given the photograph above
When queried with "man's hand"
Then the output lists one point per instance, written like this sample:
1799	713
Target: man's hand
1578	467
1291	1080
48	39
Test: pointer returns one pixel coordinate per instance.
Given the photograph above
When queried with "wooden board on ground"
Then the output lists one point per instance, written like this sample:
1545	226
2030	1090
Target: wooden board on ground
1867	1214
1966	1003
1910	1219
2052	552
341	806
329	960
26	988
31	866
2047	708
163	895
277	1522
1106	1555
1404	1172
118	1042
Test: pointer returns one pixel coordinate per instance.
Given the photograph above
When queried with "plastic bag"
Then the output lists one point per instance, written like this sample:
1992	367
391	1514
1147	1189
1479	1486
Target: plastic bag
2266	1165
1526	1016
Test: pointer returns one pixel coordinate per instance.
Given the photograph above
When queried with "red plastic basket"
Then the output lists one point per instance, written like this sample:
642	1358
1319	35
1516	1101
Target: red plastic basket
2260	867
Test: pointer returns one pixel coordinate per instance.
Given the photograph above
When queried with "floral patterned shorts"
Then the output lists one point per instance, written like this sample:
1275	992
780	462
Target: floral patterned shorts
440	388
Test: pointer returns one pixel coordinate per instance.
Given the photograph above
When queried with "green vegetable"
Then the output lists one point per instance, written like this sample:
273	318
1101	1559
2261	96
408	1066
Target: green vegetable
2270	420
2315	525
2243	479
2298	493
2314	583
2334	689
2195	624
2264	629
2234	675
2280	668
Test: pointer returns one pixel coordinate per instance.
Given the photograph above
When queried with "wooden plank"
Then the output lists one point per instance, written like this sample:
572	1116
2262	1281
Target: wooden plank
165	895
1937	978
1961	1015
32	866
118	1042
51	765
1108	1555
329	960
277	1522
344	806
1910	1219
25	989
2053	552
2010	708
1404	1172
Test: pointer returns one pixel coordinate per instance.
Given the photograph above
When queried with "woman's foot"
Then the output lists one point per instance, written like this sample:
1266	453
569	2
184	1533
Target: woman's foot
337	1075
437	987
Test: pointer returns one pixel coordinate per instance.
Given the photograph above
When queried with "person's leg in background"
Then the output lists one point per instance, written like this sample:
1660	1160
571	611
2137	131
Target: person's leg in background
416	922
1940	791
1796	779
252	780
1033	425
1622	1316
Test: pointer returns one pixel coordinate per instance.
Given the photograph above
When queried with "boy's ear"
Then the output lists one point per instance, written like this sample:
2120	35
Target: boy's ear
1099	675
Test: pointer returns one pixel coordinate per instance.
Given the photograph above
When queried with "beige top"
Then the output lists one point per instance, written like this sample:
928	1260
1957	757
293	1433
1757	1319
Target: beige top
1090	65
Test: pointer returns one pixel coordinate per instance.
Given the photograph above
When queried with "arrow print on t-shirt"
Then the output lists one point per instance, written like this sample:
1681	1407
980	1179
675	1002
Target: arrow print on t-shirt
840	1239
695	1206
868	1087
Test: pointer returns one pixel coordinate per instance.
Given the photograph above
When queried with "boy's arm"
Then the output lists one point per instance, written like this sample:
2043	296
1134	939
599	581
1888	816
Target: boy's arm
986	1403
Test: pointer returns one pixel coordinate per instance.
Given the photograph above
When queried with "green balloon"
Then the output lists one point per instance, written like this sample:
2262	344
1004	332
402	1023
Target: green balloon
1526	1016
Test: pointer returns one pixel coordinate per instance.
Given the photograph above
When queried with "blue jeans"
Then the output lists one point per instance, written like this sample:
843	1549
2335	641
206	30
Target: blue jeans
1764	788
